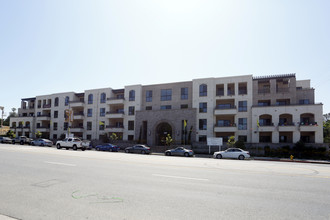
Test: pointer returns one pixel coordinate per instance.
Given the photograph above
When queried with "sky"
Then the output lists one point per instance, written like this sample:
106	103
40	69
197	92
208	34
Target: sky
56	46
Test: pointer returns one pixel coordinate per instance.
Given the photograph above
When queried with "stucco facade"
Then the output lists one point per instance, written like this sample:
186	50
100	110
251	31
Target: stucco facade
270	109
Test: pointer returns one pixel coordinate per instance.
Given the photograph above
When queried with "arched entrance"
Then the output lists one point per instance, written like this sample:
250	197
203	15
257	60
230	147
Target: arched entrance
162	130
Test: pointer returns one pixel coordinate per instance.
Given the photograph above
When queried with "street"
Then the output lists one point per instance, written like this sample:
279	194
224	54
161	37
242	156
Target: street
46	183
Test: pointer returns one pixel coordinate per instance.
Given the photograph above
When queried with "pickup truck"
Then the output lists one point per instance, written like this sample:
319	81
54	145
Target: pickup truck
68	143
22	140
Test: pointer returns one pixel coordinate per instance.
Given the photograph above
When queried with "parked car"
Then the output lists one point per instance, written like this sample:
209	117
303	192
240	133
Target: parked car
234	153
42	142
21	140
107	147
74	143
6	140
142	149
179	151
87	144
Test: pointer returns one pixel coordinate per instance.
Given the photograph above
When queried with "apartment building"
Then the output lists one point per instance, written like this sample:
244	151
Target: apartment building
271	109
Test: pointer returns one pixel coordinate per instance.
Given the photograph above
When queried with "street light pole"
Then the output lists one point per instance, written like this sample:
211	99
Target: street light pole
2	112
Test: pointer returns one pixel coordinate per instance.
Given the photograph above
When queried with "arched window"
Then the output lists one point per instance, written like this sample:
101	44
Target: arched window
103	98
203	90
90	99
56	101
66	102
132	95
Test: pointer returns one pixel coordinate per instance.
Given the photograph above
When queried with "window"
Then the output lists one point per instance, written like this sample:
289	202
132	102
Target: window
303	101
224	123
55	114
242	124
242	106
184	93
131	110
54	136
130	137
148	108
132	95
89	137
66	101
89	125
202	138
65	126
131	125
89	112
103	98
203	90
90	99
202	124
101	125
264	103
166	95
184	106
56	101
149	96
55	126
102	112
242	138
202	107
164	107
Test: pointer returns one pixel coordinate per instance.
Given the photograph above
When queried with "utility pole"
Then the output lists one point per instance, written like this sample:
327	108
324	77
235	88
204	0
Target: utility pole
2	112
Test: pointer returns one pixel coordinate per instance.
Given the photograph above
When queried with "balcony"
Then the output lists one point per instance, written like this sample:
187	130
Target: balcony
309	127
286	127
43	129
225	128
115	114
111	101
47	106
77	129
267	127
78	116
110	128
225	110
74	104
43	117
264	91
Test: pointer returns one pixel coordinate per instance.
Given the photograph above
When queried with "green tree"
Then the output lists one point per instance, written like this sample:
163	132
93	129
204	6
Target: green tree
10	134
326	128
231	141
168	140
38	134
113	137
11	114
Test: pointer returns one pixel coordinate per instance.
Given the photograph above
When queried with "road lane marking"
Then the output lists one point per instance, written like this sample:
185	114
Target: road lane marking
63	164
181	177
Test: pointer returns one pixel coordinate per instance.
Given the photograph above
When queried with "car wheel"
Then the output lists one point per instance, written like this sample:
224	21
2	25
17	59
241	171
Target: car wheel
126	151
83	149
219	156
58	146
74	147
21	143
13	142
98	149
67	148
168	153
32	144
41	144
143	152
186	154
241	157
110	149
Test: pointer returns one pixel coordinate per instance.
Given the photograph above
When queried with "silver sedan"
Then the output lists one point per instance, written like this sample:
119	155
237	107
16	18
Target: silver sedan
179	151
42	142
234	153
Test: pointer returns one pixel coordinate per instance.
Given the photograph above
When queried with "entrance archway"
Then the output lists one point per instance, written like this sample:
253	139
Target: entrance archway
162	130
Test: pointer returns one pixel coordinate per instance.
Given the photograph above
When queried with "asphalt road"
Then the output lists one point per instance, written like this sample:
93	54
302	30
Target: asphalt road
46	183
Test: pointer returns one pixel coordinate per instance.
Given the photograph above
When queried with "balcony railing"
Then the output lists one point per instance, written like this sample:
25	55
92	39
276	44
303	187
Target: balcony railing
47	106
286	124
308	124
116	98
263	91
115	112
115	126
225	106
266	124
226	125
282	90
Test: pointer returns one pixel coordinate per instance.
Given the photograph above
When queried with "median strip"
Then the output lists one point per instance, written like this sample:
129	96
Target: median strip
180	177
